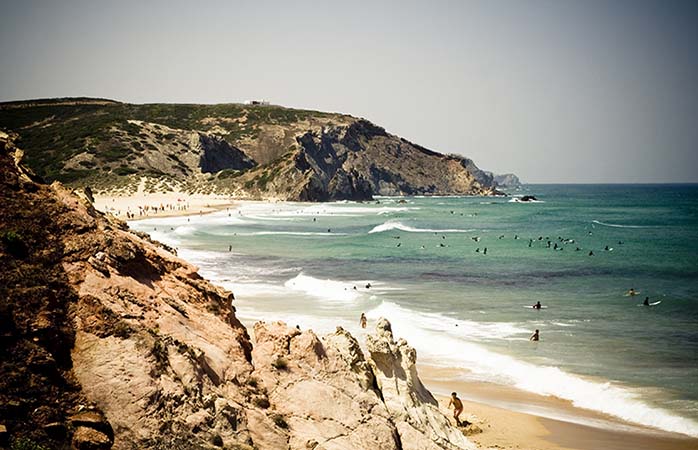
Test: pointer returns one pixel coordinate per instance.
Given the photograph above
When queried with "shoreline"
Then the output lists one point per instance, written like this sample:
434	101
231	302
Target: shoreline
144	205
513	419
516	419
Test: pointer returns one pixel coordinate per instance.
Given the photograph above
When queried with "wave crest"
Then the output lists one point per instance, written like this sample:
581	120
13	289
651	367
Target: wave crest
393	225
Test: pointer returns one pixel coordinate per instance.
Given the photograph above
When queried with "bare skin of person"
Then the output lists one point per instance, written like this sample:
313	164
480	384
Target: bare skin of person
535	336
457	406
362	320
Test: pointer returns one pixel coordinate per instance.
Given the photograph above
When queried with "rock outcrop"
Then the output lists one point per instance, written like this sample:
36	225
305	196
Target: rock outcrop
507	180
359	160
111	341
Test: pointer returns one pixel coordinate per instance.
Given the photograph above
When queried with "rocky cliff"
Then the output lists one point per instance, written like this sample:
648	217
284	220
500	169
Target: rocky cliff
258	151
507	180
110	341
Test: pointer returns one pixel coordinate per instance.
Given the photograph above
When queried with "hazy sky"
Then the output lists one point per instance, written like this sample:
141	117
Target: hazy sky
555	91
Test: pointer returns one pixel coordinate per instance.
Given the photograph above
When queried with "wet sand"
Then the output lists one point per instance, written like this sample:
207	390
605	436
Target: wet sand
514	419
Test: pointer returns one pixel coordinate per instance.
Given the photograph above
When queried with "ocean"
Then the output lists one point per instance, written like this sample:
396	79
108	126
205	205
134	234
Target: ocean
420	262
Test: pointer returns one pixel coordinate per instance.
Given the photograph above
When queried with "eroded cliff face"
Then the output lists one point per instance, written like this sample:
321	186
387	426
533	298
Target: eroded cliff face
358	160
111	341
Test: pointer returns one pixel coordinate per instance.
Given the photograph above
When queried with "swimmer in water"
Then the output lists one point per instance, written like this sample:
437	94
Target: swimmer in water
362	320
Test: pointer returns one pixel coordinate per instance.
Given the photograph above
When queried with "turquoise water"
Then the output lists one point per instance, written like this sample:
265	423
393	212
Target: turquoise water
462	308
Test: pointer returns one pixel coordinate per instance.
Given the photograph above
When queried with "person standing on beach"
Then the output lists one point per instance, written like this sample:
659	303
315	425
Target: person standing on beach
535	336
362	320
457	406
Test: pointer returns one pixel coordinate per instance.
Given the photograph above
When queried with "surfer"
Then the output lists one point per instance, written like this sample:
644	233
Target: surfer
457	406
591	253
362	320
631	292
646	302
537	305
368	285
535	336
230	248
484	252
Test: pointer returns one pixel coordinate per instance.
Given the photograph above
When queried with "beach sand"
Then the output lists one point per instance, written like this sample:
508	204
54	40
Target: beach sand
514	419
142	205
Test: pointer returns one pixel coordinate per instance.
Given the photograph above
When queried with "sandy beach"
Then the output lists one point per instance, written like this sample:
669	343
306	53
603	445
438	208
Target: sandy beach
514	419
142	204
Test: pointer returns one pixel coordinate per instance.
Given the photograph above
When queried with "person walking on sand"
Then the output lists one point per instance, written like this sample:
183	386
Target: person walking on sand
362	320
535	336
457	407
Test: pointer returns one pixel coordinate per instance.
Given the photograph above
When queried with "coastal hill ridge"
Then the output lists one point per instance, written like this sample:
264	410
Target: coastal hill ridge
256	151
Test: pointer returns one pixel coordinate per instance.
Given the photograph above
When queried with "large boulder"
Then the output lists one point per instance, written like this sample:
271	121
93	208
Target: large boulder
413	408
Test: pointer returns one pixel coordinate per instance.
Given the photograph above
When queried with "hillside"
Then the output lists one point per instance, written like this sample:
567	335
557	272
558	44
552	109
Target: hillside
255	151
110	341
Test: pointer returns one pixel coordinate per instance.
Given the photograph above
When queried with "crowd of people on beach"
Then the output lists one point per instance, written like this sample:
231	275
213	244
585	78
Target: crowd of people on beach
150	210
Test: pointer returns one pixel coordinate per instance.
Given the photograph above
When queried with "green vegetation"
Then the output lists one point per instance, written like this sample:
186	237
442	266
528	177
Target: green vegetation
279	421
261	402
25	444
229	173
123	170
280	363
14	244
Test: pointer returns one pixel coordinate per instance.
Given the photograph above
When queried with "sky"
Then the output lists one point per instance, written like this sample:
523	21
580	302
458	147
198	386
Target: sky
556	91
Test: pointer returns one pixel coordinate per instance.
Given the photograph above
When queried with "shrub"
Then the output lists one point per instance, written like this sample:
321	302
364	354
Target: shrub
280	364
25	444
14	244
261	402
279	421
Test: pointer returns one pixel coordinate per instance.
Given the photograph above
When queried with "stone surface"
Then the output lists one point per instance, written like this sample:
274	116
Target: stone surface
135	350
86	438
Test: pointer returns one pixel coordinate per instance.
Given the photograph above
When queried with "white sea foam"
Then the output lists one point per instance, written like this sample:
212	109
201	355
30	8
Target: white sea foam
184	230
438	339
615	225
334	290
518	200
291	233
394	225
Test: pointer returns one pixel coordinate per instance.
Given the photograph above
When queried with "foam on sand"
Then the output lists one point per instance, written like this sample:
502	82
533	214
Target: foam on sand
394	225
439	341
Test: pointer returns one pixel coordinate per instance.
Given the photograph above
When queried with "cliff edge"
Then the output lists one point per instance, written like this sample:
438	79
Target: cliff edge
110	341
